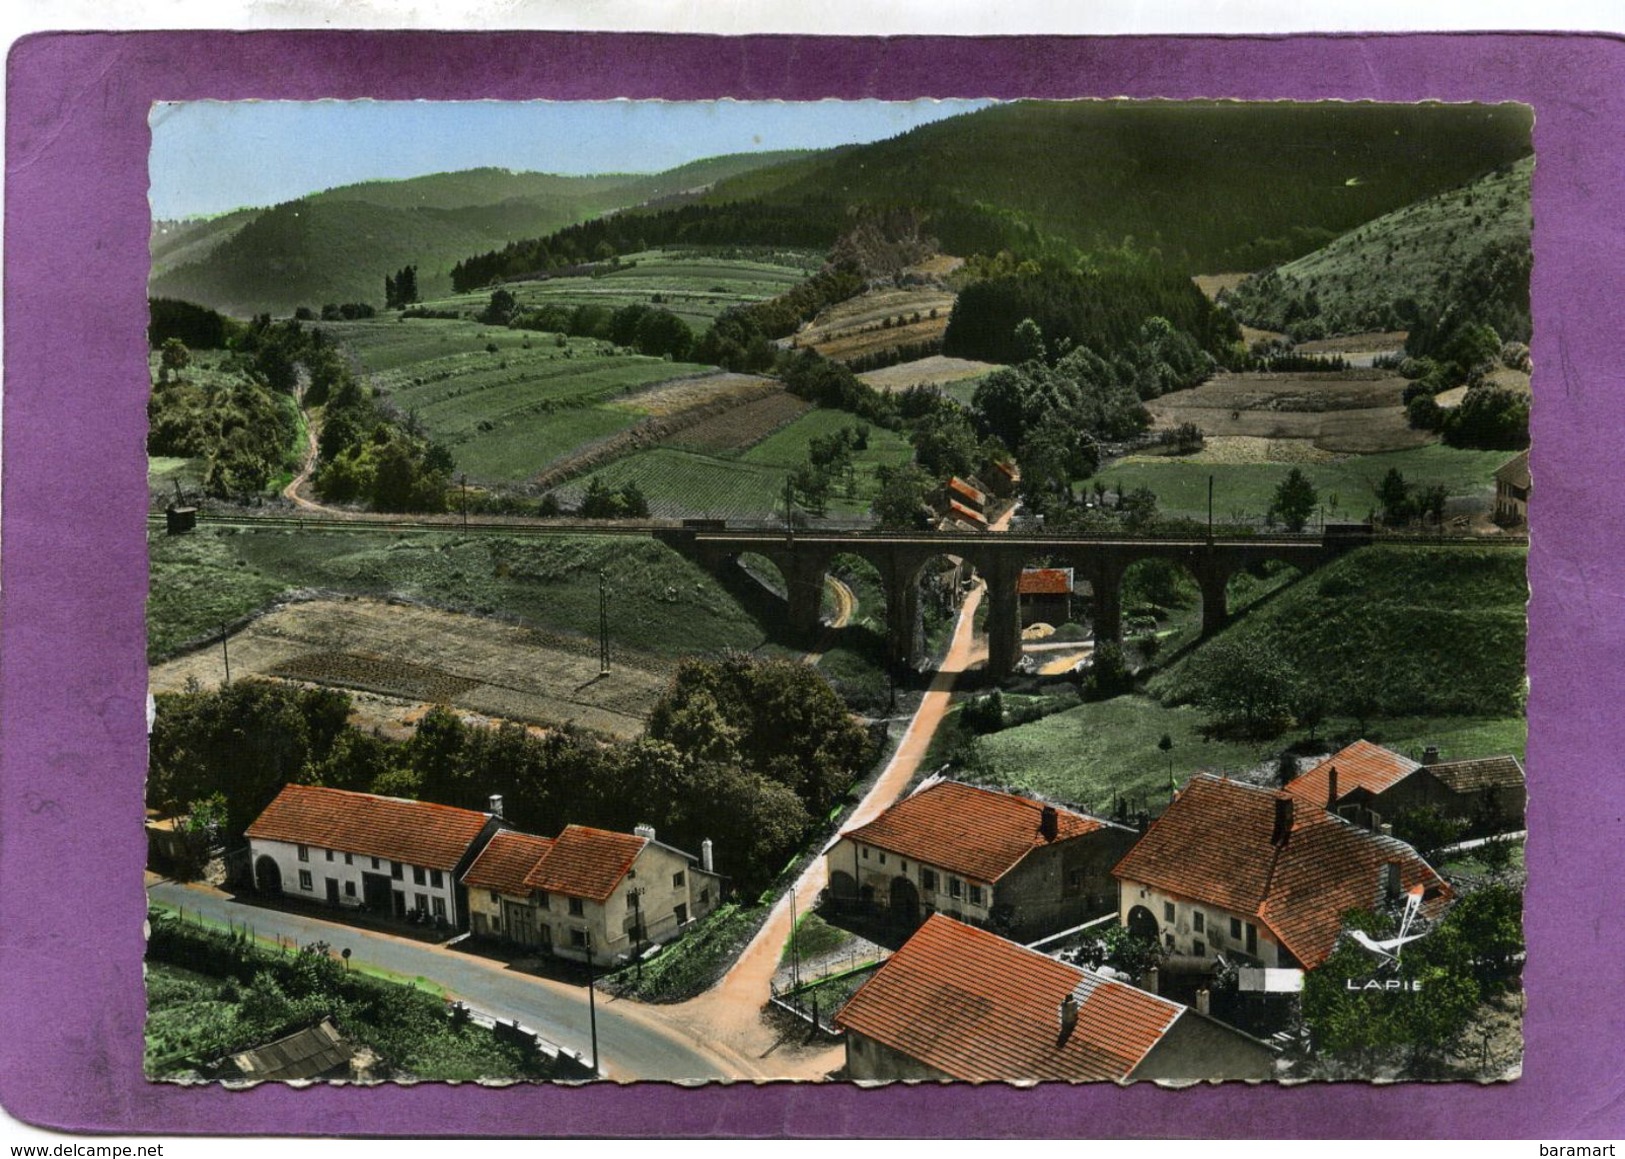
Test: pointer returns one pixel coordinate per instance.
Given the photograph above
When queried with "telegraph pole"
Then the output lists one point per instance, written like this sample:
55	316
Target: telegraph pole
225	651
1210	510
592	1007
603	624
463	482
789	506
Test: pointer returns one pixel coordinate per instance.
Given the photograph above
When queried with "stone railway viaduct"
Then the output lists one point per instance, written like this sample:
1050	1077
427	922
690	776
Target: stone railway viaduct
803	558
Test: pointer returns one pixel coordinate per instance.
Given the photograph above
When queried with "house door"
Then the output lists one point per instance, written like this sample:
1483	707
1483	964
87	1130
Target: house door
905	902
268	875
332	891
375	890
400	902
1142	923
520	921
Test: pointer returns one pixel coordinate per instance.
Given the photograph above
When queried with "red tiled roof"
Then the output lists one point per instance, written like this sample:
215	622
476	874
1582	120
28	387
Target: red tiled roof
1007	469
966	492
978	1008
1362	765
976	833
1213	846
415	832
968	514
504	863
586	863
1045	581
1484	773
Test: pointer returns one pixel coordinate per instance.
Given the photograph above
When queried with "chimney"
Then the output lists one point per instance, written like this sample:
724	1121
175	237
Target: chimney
1385	829
647	832
1203	1000
705	856
1049	823
496	804
1283	821
1152	981
1069	1013
1331	788
1430	755
1390	881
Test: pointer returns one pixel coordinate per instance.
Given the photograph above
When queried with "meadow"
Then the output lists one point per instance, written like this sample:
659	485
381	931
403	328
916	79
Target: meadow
749	485
1243	492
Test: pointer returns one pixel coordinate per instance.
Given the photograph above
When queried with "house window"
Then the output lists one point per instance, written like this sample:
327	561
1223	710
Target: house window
304	853
544	901
418	876
349	889
1199	948
976	895
578	938
905	867
435	879
304	880
1235	928
330	855
349	859
678	880
1168	942
1252	938
883	859
375	863
956	888
395	870
866	853
1167	911
681	912
439	904
421	900
1199	923
705	896
928	878
577	909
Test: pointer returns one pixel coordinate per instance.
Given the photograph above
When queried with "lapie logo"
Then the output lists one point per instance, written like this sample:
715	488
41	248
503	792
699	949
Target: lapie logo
1388	950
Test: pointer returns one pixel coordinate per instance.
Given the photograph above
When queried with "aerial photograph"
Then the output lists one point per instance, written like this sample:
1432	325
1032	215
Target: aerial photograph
839	592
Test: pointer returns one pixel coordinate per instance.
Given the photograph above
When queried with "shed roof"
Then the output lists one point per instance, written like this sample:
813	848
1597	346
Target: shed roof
1484	773
305	1054
1515	471
974	1006
1045	581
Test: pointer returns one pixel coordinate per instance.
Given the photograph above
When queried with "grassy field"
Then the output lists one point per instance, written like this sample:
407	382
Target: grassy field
751	486
693	285
1243	491
662	603
1091	754
1408	629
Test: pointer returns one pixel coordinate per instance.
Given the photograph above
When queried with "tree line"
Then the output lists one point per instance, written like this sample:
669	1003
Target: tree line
750	754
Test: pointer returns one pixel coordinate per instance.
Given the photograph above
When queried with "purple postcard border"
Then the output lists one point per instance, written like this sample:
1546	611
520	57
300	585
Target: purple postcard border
72	647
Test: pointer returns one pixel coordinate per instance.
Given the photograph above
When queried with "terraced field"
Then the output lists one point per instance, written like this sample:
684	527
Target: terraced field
694	286
680	482
509	412
879	320
937	370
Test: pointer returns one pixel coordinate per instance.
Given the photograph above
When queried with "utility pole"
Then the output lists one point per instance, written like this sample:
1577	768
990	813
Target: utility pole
1210	510
225	651
603	624
789	506
463	482
592	1006
795	948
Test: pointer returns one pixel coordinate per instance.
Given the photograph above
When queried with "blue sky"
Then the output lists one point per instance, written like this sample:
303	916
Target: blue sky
209	157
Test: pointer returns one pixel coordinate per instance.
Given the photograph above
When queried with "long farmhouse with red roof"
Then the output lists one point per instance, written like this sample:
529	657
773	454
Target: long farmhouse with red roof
1013	864
964	1004
358	850
1261	877
588	892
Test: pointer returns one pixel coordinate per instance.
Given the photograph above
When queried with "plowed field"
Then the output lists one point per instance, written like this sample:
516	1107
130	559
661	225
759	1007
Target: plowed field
410	656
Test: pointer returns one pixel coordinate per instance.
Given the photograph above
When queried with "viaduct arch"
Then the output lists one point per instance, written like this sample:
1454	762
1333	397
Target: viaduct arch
804	557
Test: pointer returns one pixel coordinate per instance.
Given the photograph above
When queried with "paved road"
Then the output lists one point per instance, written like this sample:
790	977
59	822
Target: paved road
634	1041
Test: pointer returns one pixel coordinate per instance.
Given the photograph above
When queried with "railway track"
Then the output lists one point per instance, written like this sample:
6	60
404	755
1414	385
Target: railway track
765	531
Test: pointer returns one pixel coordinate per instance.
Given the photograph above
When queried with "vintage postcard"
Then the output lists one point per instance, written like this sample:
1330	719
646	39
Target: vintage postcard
1008	591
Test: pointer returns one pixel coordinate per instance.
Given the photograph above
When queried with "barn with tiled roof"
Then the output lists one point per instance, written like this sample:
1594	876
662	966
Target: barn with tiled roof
1260	876
1373	786
961	1003
998	859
